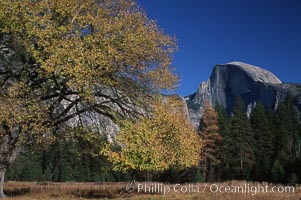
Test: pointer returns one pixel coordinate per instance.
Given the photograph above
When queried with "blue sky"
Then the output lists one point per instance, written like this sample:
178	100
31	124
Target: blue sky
265	33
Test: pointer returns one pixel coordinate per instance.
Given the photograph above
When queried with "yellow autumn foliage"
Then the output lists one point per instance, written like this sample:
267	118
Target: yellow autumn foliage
164	140
76	51
91	42
21	114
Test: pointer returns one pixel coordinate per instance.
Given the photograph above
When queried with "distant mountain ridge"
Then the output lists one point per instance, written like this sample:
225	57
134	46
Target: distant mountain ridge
251	83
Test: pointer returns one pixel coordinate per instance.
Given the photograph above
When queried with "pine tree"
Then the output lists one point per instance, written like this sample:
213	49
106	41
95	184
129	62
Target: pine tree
241	142
224	125
294	139
225	154
263	146
287	142
282	137
211	141
281	124
223	120
277	172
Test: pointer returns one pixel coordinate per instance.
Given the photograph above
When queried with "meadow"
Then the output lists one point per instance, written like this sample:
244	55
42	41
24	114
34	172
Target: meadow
122	190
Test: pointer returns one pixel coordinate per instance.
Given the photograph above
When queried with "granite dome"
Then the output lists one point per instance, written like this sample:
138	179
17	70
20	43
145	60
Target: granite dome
257	73
237	79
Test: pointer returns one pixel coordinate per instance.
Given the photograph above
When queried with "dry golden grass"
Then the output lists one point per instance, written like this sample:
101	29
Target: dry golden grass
74	191
49	190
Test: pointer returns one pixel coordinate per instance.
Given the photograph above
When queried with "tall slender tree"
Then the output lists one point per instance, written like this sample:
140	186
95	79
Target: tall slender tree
211	141
241	142
224	125
281	134
287	142
294	141
263	146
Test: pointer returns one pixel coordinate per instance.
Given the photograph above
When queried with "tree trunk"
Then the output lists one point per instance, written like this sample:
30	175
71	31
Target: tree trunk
2	173
241	164
149	176
9	148
205	164
211	173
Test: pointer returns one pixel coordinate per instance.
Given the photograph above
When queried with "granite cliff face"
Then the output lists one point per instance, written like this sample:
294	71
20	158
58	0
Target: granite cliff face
228	81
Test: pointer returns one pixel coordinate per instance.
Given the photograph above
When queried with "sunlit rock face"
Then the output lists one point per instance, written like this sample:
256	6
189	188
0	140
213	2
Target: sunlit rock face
228	81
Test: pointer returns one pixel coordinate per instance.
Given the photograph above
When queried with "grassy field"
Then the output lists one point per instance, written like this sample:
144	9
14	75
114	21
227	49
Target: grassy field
74	191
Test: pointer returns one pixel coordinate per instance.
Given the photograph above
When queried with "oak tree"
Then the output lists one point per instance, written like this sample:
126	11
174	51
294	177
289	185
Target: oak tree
61	60
164	140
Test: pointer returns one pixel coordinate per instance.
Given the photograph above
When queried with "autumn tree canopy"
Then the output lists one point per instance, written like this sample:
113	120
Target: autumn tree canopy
61	59
76	47
86	54
160	142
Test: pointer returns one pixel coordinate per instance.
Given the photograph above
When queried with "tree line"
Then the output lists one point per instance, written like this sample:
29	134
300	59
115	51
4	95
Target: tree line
146	149
264	146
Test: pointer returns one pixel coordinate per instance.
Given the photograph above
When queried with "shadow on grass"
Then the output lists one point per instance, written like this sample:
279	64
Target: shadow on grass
17	192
